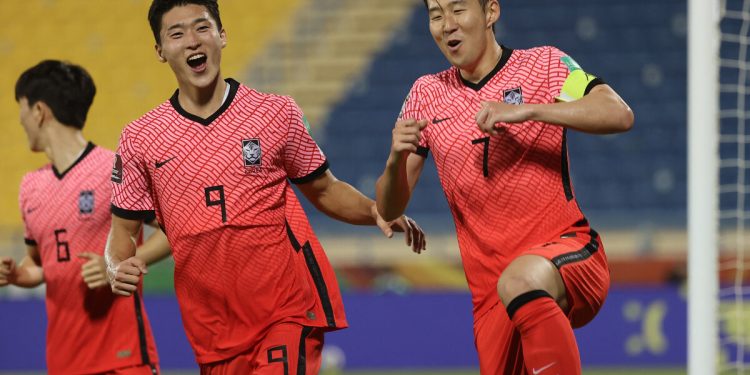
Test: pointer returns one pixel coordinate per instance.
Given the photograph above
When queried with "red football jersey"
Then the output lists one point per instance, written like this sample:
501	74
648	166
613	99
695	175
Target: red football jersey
508	192
65	214
220	190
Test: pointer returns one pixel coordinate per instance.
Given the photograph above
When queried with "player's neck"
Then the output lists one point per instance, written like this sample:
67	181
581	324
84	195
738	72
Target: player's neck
202	101
484	64
65	146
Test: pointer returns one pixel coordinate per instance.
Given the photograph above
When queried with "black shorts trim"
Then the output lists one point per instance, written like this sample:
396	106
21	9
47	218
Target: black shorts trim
146	215
143	343
302	355
313	175
314	268
580	255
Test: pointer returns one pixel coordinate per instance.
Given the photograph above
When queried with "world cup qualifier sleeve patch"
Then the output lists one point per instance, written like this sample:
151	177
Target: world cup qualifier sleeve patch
578	83
117	170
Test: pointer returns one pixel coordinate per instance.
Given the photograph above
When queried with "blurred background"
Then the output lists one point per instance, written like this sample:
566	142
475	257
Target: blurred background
349	64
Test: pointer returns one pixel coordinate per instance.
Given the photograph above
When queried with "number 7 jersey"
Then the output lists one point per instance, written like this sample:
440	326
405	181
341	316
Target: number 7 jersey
507	192
220	189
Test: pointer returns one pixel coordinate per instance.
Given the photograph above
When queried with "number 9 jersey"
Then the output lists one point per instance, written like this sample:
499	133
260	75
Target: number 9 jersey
220	190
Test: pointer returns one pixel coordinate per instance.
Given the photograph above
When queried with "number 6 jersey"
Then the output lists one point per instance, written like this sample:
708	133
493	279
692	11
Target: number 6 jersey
66	214
220	189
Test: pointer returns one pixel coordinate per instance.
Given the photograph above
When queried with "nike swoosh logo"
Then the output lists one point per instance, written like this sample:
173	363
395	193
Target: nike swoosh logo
437	120
160	164
537	371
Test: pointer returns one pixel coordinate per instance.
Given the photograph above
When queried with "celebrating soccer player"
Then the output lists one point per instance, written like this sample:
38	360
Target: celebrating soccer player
496	124
66	212
214	163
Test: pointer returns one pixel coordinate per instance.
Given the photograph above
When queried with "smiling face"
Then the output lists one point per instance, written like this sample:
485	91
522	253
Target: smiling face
462	29
191	43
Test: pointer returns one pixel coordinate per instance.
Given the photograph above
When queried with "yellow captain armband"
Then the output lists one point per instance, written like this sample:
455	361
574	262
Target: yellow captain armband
575	86
577	83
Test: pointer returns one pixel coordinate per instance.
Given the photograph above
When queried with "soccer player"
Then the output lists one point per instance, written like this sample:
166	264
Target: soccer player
66	213
496	124
214	163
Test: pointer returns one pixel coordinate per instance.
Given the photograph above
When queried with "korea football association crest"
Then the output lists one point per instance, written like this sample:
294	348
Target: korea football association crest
86	203
251	152
513	96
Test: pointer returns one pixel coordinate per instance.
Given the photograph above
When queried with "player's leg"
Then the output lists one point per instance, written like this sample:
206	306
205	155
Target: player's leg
544	283
498	344
290	349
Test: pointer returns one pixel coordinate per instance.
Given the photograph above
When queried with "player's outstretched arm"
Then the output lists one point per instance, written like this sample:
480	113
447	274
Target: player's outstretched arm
124	269
601	111
393	188
343	202
27	274
94	271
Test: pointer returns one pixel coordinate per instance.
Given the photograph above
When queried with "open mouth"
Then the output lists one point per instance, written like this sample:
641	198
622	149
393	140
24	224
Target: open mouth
197	62
453	44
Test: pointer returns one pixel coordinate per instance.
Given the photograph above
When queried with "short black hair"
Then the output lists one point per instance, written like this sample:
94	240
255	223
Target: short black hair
67	89
159	7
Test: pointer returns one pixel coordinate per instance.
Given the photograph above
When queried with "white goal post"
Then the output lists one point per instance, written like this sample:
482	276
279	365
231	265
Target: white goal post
703	170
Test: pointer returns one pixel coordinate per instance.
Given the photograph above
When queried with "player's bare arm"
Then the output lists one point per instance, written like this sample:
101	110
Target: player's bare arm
343	202
393	188
601	111
124	269
26	274
94	271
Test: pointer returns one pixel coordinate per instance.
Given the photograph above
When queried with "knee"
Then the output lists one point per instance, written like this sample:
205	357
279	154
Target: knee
529	273
513	284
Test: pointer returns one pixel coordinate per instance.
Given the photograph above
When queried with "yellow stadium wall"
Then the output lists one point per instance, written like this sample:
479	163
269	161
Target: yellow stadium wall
113	41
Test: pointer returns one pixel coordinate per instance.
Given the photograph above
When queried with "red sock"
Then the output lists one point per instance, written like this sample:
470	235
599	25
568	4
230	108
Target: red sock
547	341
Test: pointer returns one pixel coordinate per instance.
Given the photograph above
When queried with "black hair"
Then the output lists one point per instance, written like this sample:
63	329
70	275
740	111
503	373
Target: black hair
160	7
67	89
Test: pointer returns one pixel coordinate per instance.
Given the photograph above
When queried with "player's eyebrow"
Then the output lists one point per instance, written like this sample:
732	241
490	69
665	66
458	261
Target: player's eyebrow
450	3
181	25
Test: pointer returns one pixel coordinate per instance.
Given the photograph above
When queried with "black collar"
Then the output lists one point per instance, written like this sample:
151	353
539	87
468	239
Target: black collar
89	147
233	87
500	64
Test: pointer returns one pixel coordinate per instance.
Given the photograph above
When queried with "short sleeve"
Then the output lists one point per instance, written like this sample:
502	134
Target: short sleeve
412	109
567	80
303	159
131	198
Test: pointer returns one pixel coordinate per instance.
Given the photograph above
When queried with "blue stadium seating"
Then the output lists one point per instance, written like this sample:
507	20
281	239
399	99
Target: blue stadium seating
637	46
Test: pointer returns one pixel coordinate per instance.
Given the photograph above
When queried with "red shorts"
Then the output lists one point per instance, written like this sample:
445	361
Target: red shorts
287	349
579	256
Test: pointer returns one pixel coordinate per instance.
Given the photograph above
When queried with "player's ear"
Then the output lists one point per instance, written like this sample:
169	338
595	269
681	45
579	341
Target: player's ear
40	112
223	36
159	53
492	12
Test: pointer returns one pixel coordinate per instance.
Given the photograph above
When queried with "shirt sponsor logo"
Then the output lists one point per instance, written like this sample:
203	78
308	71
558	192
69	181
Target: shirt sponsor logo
86	202
513	96
251	152
117	170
